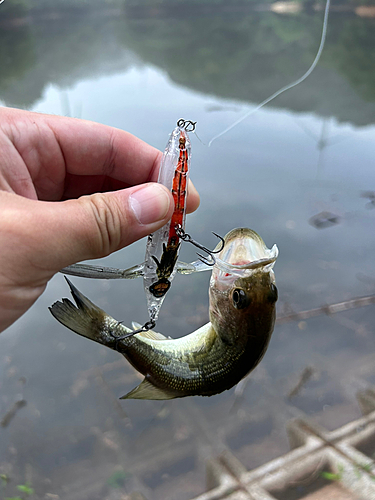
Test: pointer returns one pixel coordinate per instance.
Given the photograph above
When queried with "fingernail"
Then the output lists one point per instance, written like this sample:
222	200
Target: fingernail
149	204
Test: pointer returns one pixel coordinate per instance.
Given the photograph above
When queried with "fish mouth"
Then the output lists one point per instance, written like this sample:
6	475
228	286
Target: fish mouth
245	251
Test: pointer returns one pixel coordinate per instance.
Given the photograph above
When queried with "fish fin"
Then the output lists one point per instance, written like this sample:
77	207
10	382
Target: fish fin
150	334
207	340
200	349
193	267
146	390
85	319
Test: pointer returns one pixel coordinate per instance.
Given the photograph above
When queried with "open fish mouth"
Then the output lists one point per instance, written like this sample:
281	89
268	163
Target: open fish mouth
245	251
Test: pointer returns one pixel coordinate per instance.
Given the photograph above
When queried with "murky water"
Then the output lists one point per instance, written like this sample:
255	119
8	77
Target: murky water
296	172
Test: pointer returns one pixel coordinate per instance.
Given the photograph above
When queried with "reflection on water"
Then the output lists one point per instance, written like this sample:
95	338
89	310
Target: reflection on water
245	58
311	152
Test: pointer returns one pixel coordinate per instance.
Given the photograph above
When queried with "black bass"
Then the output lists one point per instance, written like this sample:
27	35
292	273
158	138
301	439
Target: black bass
215	357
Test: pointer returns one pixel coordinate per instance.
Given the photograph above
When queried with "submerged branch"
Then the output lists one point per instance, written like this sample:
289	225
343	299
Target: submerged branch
328	309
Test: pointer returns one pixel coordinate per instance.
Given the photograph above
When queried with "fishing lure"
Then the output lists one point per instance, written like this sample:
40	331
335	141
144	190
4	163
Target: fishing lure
163	246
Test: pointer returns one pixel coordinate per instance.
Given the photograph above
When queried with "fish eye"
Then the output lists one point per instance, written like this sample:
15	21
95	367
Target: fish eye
272	294
240	299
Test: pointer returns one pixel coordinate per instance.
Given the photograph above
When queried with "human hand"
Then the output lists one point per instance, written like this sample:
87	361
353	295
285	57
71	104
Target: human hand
70	190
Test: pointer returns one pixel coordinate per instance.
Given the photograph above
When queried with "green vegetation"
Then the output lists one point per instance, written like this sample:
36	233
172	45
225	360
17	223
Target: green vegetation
16	57
4	479
25	489
351	52
249	57
359	469
333	476
118	479
18	8
242	55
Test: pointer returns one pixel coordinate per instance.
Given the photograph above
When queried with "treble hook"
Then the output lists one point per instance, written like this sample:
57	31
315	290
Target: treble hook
149	325
210	261
186	125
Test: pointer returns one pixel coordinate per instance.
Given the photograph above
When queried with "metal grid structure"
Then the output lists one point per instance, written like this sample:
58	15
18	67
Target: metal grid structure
321	465
330	465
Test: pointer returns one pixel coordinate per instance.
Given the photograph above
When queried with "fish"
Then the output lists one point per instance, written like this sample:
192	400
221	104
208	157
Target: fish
215	357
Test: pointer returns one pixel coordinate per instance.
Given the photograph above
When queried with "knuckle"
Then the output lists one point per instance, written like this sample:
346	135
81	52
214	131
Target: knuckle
106	217
110	161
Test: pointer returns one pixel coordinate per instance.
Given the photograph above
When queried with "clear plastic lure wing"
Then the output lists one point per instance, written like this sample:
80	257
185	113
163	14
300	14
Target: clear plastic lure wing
99	272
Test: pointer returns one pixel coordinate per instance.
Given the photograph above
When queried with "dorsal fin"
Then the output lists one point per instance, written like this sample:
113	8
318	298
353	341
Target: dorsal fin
146	390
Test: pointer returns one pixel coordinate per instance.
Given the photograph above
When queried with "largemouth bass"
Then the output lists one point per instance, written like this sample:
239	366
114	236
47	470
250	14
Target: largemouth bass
216	356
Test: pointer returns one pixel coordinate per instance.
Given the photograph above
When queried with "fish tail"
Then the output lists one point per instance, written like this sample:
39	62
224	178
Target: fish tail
85	318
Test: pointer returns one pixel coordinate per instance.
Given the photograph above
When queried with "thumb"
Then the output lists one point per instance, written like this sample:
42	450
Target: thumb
102	223
44	237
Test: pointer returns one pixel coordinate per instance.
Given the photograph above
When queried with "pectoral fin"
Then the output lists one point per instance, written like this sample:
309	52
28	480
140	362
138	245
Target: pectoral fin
150	334
146	390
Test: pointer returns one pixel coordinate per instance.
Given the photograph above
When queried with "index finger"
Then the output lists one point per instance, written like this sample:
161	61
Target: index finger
91	148
58	151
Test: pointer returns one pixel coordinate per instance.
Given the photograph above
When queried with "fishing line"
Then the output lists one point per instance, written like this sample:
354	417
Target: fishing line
287	87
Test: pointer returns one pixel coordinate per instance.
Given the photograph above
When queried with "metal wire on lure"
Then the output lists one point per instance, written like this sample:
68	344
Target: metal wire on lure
211	260
149	325
186	125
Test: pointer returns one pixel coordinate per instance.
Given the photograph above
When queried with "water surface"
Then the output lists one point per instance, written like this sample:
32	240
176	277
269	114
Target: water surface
280	172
